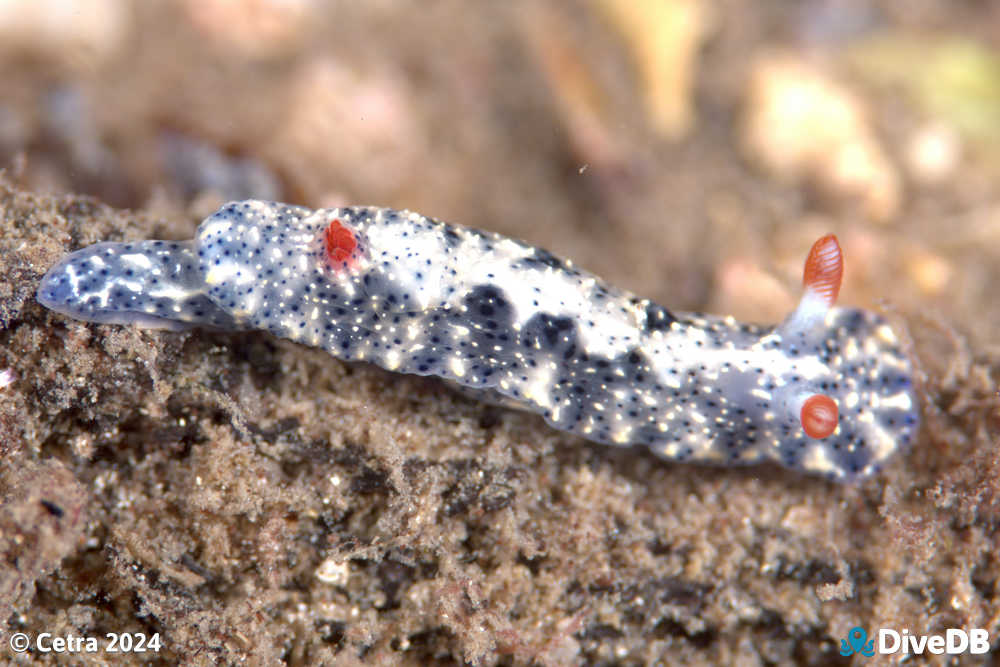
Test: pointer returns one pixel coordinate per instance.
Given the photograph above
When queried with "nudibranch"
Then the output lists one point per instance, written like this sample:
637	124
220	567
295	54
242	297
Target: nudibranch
828	391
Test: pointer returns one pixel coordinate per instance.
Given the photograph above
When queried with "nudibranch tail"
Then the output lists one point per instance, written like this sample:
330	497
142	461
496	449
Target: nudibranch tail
152	284
828	391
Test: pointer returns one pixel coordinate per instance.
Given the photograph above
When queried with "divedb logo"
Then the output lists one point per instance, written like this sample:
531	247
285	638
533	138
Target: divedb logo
954	641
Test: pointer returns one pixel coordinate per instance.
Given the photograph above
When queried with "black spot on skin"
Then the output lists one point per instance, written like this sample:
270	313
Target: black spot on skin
658	318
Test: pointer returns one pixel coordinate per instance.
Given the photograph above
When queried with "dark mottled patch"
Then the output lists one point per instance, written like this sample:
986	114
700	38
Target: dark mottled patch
543	258
550	333
452	238
658	318
488	308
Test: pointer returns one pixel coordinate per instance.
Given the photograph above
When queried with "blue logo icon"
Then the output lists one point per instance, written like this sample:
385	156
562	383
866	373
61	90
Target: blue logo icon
856	643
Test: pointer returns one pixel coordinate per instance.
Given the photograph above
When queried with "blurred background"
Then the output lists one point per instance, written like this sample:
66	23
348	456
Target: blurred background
687	149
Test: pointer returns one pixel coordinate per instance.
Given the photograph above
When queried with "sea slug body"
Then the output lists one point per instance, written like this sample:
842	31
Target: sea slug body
827	391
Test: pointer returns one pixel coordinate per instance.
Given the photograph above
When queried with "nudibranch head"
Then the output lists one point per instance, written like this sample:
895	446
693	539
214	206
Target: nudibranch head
866	374
843	381
836	400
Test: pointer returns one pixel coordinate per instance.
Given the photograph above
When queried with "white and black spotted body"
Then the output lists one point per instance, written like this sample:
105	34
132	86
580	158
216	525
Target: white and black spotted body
416	295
